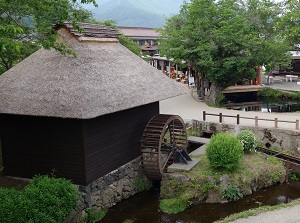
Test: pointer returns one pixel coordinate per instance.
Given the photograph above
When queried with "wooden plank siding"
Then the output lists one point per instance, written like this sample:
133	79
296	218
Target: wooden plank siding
113	140
37	145
79	150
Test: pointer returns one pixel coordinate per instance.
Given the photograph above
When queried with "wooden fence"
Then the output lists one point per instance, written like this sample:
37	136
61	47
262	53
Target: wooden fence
256	119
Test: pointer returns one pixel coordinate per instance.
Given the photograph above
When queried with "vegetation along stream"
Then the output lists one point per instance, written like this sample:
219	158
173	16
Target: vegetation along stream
144	207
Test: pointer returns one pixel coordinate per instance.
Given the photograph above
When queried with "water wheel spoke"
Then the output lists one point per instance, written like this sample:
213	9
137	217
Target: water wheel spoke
162	135
168	158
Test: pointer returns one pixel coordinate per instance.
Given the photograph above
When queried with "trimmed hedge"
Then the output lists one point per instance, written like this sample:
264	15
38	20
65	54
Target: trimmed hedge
45	199
224	151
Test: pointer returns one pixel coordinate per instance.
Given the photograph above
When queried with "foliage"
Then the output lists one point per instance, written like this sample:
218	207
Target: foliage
289	21
225	40
221	99
124	40
174	205
93	216
248	140
294	176
208	186
27	26
191	132
224	151
45	199
270	93
232	193
141	185
130	44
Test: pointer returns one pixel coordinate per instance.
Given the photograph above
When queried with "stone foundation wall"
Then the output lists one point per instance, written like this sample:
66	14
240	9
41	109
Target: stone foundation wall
113	187
279	138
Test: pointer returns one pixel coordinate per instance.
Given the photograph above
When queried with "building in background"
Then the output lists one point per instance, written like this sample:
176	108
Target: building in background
145	37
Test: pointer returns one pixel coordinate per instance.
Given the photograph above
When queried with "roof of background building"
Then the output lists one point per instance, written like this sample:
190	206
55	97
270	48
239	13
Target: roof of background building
139	32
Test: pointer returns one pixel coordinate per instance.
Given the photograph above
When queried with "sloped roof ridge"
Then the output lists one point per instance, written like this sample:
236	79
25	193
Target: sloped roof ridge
89	30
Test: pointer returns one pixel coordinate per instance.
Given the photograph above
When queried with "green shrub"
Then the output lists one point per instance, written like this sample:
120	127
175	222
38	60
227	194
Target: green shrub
224	151
232	193
294	176
45	199
92	216
248	140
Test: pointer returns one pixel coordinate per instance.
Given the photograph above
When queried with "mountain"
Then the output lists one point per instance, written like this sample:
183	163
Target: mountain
137	13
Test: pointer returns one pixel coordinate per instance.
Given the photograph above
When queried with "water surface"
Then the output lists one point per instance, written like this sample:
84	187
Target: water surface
144	207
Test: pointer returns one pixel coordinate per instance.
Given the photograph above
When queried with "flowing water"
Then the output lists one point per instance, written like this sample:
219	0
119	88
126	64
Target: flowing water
144	207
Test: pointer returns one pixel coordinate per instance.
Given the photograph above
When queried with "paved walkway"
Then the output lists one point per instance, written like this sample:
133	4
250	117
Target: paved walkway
284	215
188	107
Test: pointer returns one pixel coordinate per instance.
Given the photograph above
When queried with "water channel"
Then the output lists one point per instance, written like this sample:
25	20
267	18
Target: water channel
250	102
284	106
144	207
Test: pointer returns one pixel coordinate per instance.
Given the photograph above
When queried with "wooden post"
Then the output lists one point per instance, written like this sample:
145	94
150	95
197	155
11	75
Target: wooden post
237	119
276	123
204	116
297	124
256	120
220	117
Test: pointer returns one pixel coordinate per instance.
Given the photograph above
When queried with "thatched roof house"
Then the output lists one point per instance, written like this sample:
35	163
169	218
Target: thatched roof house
81	116
105	77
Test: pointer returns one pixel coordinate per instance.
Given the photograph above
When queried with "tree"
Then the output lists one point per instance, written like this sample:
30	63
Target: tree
26	26
289	21
124	40
225	40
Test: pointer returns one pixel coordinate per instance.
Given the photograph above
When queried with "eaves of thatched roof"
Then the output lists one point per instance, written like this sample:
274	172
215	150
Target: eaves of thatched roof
104	78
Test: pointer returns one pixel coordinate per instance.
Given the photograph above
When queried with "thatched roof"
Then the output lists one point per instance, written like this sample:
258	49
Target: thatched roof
105	78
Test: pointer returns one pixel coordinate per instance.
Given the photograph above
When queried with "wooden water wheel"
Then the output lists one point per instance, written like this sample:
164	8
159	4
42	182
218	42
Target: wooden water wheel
162	135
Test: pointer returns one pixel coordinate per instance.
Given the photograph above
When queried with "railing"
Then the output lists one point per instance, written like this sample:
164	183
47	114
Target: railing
256	119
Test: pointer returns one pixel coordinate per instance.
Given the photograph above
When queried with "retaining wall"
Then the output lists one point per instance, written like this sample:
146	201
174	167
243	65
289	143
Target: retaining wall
112	188
278	138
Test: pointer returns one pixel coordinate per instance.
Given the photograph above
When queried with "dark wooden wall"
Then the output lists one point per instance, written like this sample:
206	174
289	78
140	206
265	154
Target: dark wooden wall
37	145
80	150
113	140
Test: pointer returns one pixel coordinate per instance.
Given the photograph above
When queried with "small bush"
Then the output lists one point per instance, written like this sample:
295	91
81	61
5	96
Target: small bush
45	200
232	193
92	216
294	176
224	151
248	140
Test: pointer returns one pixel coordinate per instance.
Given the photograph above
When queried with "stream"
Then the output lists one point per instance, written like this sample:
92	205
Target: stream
144	207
